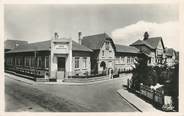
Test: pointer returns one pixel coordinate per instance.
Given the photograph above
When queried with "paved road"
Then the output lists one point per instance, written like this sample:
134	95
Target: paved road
98	97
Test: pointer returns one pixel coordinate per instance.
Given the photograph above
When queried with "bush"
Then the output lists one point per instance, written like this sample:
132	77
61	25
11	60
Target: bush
167	76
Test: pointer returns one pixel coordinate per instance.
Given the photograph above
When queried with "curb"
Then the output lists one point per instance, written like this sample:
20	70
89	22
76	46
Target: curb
130	103
27	81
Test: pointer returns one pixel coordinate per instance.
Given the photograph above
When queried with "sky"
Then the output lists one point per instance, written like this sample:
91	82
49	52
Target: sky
125	23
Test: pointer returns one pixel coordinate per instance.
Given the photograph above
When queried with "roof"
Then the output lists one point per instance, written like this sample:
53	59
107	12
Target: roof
169	51
150	42
45	46
77	47
126	49
154	41
11	44
95	42
141	42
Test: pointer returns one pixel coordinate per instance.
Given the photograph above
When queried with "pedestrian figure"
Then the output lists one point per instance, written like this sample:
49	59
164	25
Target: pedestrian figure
110	73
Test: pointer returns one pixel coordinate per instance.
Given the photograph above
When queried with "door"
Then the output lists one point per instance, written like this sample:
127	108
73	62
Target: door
61	64
61	68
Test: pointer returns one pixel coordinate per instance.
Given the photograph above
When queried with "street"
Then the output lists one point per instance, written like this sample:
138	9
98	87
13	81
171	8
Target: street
97	97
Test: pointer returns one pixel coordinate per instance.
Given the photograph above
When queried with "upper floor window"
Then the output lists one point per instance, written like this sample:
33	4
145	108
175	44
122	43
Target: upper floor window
76	62
107	45
102	52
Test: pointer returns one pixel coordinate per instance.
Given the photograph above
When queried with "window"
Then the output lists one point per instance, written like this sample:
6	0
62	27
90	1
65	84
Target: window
107	45
102	52
39	61
122	59
76	62
132	60
46	61
84	62
26	61
32	61
128	60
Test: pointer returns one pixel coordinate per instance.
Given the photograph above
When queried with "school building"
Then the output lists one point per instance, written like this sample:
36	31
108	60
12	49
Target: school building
61	58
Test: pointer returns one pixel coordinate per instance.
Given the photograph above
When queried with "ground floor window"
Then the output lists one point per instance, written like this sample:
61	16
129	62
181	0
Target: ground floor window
39	61
46	61
32	61
122	59
84	62
128	60
76	62
27	61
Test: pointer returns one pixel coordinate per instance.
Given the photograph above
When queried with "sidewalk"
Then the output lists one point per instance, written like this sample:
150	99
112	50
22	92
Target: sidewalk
137	102
28	81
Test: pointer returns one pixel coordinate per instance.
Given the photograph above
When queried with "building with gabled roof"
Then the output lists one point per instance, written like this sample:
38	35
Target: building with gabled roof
103	52
107	55
171	56
50	60
125	57
153	48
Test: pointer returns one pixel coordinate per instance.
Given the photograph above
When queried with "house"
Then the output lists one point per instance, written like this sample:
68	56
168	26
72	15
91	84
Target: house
50	60
11	44
171	55
107	55
125	57
103	55
152	47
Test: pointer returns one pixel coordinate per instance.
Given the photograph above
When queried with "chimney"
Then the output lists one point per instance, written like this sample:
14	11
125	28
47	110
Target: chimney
80	37
56	36
146	36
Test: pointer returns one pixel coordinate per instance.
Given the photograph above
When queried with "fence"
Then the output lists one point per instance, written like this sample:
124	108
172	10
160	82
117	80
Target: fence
155	96
30	71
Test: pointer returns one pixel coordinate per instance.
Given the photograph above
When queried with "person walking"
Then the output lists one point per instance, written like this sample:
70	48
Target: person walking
110	73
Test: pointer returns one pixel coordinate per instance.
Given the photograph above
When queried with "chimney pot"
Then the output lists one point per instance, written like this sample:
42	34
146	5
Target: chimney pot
56	36
80	37
146	36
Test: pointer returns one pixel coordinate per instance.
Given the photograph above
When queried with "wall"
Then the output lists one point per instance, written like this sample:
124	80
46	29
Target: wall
108	57
81	70
124	61
60	48
150	53
170	60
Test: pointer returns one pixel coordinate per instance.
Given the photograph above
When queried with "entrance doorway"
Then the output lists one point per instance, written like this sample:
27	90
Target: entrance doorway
60	68
61	63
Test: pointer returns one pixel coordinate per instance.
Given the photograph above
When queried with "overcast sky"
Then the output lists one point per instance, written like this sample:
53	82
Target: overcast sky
124	23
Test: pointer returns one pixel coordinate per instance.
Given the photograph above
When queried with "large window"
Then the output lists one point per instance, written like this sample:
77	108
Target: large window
27	61
46	61
32	61
39	62
76	62
84	62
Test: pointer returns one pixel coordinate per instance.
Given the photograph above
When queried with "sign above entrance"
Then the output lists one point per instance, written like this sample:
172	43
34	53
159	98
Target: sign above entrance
61	46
